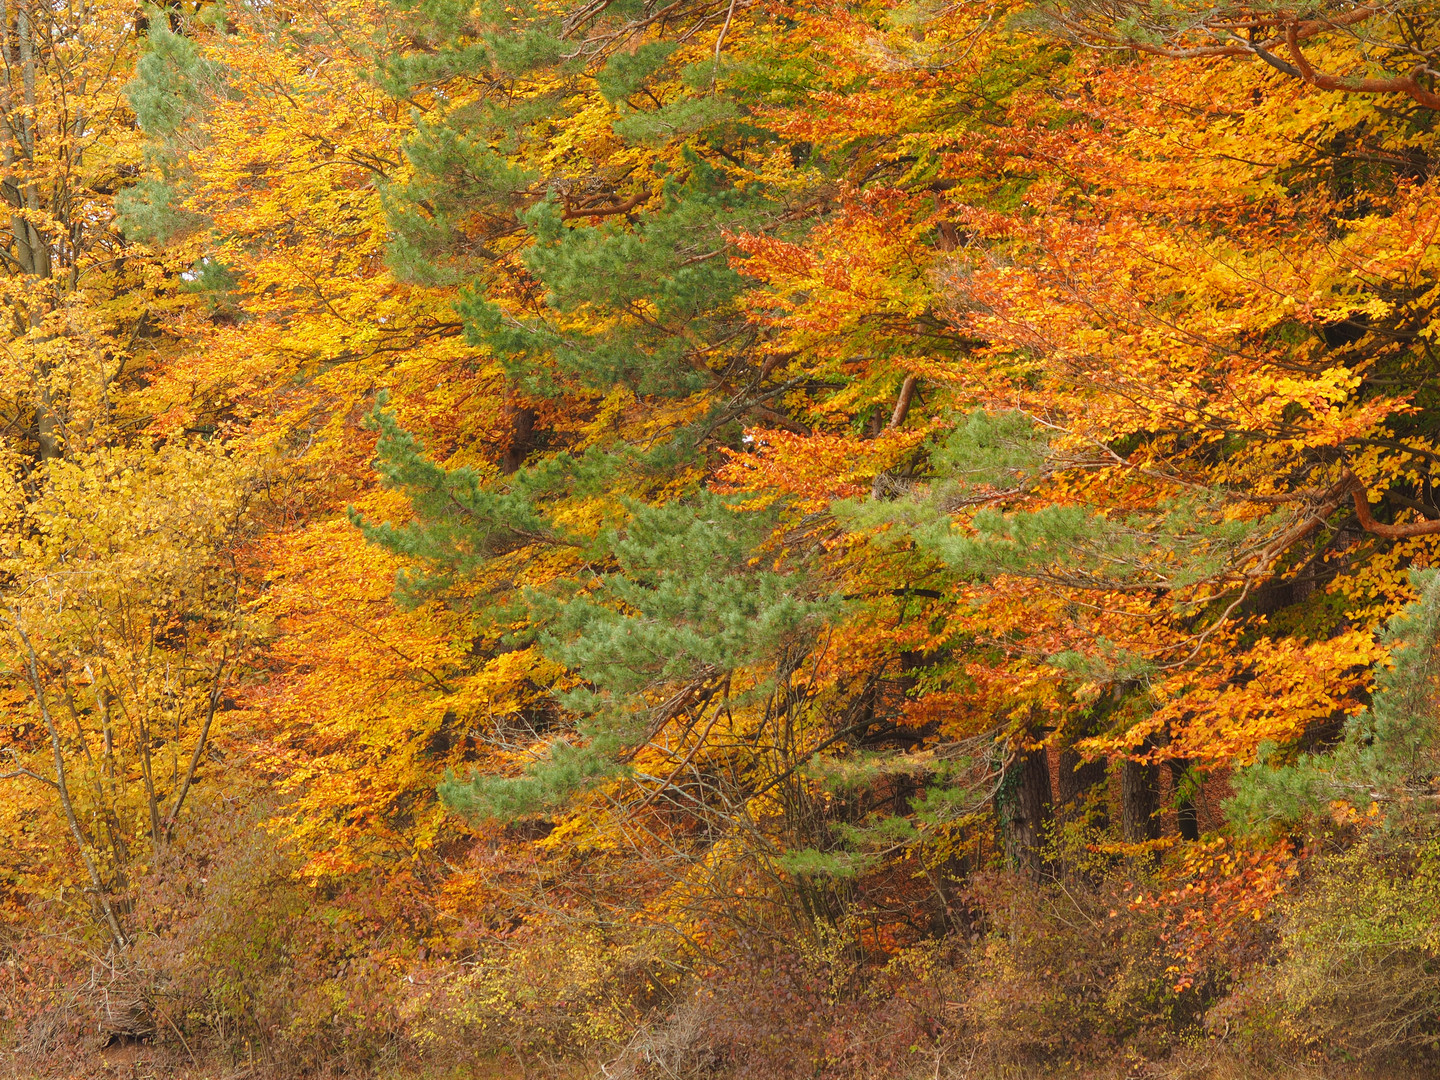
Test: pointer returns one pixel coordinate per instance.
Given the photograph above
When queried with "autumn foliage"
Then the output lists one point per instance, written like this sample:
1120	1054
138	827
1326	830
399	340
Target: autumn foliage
721	538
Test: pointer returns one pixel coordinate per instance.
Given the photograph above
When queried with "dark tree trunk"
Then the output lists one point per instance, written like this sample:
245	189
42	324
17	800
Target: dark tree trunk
1187	814
1140	801
1025	810
1077	779
522	429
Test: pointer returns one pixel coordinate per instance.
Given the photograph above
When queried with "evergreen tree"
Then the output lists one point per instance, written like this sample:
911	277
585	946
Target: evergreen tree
1389	754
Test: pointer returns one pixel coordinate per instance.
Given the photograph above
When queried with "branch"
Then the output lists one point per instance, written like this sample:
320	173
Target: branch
1283	30
699	742
200	744
1396	84
902	406
13	773
931	594
720	40
607	211
1276	63
1390	532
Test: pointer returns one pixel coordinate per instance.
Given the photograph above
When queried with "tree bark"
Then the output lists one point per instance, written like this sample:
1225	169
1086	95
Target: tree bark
522	428
902	404
1025	810
1077	779
1187	814
1140	800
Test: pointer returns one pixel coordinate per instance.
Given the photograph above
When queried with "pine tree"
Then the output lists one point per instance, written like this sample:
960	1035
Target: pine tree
1389	753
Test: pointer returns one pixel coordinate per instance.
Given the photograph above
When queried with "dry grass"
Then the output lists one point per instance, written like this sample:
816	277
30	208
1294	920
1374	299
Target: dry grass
655	1057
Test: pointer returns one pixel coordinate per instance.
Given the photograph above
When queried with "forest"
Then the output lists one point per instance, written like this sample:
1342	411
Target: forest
677	539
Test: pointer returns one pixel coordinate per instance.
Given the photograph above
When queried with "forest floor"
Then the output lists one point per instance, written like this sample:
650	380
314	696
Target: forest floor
144	1062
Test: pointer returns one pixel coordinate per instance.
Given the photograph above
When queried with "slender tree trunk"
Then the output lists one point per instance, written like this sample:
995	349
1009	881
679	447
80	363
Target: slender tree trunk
902	403
100	896
200	743
39	249
18	186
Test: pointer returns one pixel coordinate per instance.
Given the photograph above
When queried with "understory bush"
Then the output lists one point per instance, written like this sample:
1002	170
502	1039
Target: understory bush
1357	970
242	962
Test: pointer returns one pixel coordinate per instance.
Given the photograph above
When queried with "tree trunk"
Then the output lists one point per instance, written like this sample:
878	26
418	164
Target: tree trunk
1025	811
99	894
1140	801
1187	814
522	430
1077	779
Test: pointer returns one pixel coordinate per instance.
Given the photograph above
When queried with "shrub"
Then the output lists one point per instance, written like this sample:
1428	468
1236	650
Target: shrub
1358	970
